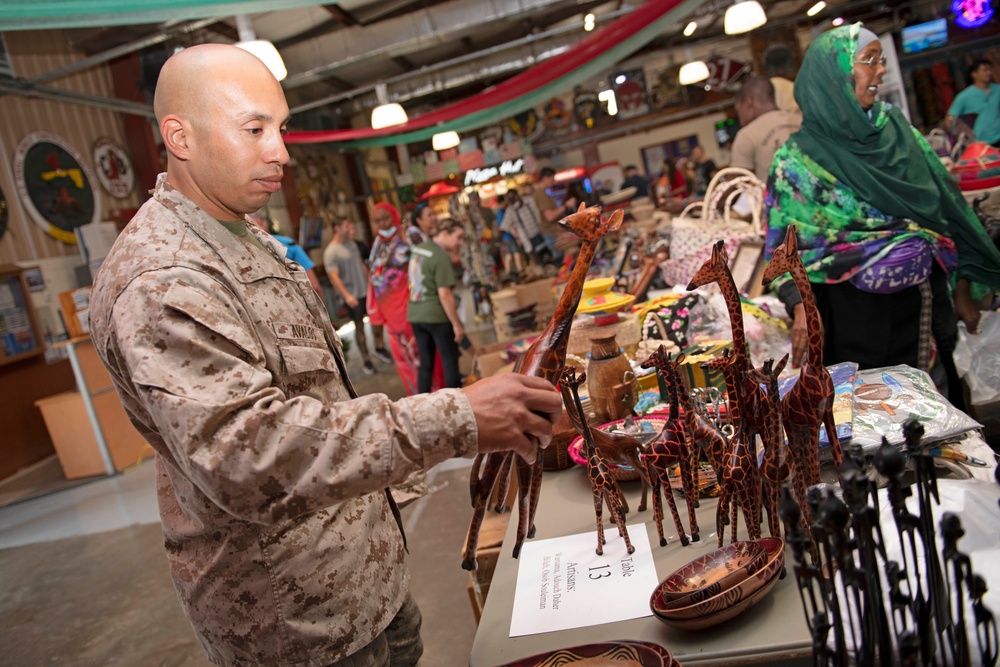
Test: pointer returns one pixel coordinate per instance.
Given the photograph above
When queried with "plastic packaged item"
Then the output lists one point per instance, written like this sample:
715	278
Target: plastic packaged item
983	375
884	398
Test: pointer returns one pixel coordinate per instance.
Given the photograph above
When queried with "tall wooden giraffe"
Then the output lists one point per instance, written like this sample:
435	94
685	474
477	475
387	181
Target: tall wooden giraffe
604	486
545	358
666	451
740	481
716	270
666	365
774	470
810	401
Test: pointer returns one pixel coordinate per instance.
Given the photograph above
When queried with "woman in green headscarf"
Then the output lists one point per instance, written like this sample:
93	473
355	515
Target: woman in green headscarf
882	228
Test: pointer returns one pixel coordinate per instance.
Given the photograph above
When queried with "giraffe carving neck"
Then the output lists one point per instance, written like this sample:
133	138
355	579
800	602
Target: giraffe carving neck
815	327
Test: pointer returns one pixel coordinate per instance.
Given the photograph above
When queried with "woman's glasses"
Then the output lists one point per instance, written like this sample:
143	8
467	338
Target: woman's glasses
873	60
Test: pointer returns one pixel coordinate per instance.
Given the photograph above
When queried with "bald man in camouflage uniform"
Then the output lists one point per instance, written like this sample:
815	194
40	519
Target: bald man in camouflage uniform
272	474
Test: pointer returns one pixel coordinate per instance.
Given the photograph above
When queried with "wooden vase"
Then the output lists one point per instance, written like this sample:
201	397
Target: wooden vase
610	381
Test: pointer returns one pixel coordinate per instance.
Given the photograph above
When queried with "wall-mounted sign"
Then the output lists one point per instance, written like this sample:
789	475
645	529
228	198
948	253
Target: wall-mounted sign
55	185
631	94
972	13
723	72
114	169
556	114
507	168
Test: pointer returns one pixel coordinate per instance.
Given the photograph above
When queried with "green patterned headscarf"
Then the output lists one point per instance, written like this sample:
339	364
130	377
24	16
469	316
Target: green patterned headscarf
880	157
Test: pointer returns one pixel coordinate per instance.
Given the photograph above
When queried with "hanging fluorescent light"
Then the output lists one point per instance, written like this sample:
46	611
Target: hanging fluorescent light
386	114
588	22
690	28
442	141
609	97
816	9
744	17
693	72
263	49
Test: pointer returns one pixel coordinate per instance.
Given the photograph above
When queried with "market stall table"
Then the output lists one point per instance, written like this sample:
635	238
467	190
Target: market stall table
773	632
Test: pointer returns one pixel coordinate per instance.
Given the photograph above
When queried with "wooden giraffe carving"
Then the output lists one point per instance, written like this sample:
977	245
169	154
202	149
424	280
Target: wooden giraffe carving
619	448
740	481
667	450
774	470
605	487
810	401
716	269
702	434
545	358
666	365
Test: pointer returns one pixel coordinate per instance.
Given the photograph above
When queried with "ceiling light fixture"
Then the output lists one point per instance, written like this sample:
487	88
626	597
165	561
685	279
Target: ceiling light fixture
693	72
744	17
588	22
620	79
442	141
263	49
690	28
839	21
816	9
386	114
609	97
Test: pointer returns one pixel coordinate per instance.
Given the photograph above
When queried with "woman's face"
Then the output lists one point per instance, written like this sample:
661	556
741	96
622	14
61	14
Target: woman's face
867	78
383	220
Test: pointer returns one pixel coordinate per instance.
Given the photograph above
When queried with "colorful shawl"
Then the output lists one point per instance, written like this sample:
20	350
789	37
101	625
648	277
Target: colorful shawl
857	184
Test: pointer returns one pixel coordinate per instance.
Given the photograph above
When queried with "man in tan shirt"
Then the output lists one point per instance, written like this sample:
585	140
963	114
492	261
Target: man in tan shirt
282	539
765	127
551	212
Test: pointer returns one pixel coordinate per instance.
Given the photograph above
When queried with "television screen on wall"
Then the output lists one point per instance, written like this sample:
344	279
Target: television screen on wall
923	36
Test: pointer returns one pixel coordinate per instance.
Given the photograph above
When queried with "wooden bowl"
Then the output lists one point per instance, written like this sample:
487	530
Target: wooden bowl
711	574
775	549
729	613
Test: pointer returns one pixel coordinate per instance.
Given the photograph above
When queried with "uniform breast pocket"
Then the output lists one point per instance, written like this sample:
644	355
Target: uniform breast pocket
298	359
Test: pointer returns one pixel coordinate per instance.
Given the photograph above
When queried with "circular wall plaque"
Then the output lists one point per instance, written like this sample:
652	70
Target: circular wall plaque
114	169
55	185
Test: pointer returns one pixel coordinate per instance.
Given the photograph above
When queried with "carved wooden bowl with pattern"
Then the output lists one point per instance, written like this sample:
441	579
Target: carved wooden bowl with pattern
727	603
711	574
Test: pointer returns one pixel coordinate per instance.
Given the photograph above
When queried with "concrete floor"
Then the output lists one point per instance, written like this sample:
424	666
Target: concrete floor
84	581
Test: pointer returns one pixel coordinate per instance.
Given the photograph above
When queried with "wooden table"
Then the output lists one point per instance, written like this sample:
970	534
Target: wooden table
773	632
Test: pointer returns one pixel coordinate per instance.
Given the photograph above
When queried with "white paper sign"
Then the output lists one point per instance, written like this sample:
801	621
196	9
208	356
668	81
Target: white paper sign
562	583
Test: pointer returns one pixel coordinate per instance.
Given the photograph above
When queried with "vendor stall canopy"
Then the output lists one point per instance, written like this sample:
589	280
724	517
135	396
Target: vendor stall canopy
498	57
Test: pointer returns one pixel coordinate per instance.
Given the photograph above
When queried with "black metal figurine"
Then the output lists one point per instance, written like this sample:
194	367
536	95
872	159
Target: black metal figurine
916	616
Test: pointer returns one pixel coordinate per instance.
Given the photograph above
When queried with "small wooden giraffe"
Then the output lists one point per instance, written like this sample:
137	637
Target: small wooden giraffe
545	358
702	433
620	448
716	269
810	401
604	486
666	365
740	481
669	449
774	470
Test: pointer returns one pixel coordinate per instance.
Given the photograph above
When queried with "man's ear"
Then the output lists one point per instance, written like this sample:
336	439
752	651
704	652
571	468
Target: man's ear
176	136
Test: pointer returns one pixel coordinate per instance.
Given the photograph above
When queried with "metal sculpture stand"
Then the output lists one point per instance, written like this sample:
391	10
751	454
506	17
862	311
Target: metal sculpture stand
917	617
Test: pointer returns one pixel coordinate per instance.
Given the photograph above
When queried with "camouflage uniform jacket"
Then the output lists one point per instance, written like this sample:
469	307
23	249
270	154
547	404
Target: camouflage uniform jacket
270	478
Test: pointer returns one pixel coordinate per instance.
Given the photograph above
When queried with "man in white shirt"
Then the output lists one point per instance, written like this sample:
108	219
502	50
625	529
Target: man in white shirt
765	128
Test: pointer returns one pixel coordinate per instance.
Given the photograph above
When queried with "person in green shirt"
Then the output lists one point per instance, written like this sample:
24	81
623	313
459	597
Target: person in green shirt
432	311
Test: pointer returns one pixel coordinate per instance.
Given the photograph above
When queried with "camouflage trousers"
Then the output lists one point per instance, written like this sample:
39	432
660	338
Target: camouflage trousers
399	645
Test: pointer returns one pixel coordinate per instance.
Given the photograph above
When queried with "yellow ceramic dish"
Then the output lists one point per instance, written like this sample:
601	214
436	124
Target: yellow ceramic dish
605	304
